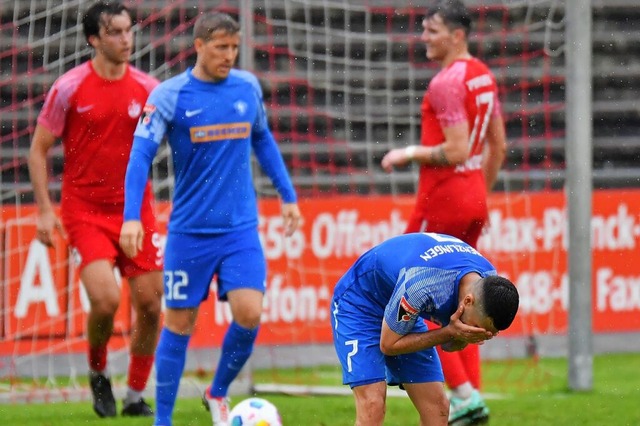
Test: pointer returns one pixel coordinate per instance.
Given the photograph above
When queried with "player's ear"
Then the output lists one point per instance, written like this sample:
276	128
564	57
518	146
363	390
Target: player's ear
469	300
92	40
459	35
198	43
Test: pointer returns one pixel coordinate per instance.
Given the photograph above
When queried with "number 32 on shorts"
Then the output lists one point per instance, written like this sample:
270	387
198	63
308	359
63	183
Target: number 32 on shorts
174	282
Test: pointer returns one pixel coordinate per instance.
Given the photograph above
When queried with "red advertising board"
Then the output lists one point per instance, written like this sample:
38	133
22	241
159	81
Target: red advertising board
43	305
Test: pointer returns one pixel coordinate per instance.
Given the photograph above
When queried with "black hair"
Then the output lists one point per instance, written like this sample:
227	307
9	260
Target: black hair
454	14
210	22
92	19
500	300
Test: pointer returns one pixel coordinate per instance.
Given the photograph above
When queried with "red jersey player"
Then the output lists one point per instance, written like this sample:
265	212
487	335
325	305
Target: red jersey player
462	148
94	109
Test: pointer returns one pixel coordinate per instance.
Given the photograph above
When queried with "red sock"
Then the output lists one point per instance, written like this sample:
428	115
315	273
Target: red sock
139	370
470	357
98	358
453	369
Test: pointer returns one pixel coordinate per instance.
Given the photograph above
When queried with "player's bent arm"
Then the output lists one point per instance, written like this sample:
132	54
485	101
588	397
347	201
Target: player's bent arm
453	151
392	343
455	148
494	151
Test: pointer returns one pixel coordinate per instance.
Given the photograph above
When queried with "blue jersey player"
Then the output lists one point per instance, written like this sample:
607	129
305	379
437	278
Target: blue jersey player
378	312
213	118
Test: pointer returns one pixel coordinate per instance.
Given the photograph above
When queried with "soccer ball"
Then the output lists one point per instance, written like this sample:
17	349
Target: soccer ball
255	412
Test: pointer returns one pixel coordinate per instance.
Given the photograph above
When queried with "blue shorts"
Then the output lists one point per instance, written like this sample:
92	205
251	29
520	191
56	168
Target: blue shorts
192	260
356	338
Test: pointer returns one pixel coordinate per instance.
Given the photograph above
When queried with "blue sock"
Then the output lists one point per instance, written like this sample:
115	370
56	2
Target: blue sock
236	350
171	354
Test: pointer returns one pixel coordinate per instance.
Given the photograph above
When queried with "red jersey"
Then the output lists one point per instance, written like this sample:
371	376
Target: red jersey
463	92
96	119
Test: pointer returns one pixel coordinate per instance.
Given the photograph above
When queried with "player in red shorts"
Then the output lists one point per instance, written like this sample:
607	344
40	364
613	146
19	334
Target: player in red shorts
94	109
463	145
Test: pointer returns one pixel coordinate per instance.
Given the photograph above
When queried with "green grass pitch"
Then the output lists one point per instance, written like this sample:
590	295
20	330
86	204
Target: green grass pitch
521	393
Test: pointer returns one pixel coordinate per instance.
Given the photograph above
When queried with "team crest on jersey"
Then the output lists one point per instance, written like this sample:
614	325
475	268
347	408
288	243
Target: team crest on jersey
406	312
134	109
147	111
240	107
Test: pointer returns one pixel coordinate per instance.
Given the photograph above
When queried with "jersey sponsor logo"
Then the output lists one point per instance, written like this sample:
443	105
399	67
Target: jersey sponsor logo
406	312
220	132
83	108
134	109
191	113
147	111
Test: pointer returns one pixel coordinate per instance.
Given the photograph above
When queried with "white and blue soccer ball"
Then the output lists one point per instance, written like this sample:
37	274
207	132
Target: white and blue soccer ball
254	412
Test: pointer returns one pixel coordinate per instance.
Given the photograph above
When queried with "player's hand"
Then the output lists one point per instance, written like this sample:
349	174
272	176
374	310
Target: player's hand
466	333
131	237
395	157
290	217
46	224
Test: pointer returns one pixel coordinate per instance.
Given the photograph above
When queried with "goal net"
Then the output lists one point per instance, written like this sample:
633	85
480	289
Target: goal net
343	82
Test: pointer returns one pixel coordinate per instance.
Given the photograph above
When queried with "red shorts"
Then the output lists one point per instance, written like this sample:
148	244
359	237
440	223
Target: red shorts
468	230
454	208
95	236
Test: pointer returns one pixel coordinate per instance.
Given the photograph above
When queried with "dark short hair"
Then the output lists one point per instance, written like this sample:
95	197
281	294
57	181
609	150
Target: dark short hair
91	20
210	22
454	14
500	300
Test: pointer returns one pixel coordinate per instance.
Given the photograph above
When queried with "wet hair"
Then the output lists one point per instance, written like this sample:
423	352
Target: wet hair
210	22
92	19
500	300
454	14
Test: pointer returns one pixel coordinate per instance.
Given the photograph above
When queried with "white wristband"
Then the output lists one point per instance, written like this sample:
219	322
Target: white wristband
410	151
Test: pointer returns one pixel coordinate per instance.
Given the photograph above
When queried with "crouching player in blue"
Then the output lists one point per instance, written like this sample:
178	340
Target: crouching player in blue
378	311
213	117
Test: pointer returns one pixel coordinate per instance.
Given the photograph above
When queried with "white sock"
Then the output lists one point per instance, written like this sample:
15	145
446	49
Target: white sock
132	396
463	391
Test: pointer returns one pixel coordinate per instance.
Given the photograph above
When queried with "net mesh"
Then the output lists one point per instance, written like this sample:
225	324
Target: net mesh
343	82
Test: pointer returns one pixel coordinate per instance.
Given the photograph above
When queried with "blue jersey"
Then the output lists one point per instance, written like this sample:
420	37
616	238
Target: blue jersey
211	129
409	277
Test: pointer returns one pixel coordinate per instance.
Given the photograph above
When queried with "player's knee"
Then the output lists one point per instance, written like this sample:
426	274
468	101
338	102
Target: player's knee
105	307
149	312
370	411
149	305
180	321
249	319
441	406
